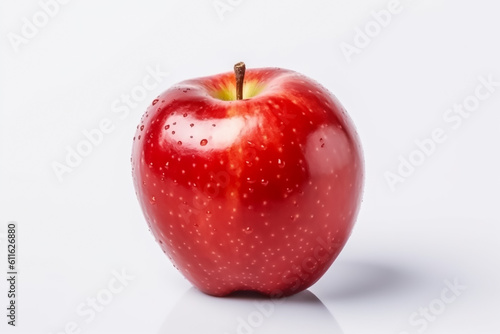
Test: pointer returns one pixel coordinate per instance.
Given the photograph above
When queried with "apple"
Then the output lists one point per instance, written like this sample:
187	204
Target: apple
249	181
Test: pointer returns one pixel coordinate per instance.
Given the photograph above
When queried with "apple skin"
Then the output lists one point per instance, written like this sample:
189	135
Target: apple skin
259	194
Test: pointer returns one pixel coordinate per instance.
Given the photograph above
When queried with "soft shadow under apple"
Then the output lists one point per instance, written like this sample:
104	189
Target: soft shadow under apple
352	280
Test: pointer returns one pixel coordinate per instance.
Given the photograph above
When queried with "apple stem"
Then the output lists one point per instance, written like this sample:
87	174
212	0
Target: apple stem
239	71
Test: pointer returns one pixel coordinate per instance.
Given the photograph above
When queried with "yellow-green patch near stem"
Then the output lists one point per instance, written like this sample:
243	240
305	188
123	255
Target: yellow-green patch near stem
250	89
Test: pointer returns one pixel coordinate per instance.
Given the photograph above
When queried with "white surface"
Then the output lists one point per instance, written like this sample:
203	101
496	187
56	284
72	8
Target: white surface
441	225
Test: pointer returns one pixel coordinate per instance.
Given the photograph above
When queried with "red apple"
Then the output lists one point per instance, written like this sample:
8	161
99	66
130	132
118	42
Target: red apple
256	192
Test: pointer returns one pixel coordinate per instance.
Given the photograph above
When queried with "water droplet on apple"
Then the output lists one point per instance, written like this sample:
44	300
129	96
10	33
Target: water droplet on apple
248	230
142	127
196	225
184	115
203	142
250	180
155	101
139	137
191	125
264	182
173	132
152	200
248	163
179	143
167	127
281	163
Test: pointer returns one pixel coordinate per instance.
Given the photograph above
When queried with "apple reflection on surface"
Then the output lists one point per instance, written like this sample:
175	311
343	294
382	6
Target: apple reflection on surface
246	313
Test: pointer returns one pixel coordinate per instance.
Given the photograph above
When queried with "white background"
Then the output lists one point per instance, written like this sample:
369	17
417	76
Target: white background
441	224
